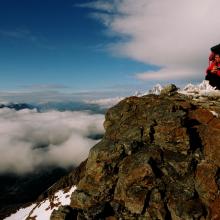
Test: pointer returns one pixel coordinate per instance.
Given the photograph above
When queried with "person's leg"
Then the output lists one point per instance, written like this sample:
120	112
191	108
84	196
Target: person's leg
218	82
212	79
215	80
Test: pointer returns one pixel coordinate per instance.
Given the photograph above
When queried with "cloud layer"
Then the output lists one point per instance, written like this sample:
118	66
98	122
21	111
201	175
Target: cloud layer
174	35
105	103
29	139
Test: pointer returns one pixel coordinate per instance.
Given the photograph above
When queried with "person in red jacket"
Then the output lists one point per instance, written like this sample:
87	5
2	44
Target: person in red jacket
213	72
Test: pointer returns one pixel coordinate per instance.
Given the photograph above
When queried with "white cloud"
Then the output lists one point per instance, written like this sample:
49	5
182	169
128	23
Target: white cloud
174	35
62	136
106	102
99	5
44	87
166	73
44	96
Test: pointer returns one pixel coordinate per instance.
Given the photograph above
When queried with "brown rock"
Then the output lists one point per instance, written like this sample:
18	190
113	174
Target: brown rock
205	182
187	210
63	213
156	209
211	142
159	159
134	182
215	209
171	137
203	116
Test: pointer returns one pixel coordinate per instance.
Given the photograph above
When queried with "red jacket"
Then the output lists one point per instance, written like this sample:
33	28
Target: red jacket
211	66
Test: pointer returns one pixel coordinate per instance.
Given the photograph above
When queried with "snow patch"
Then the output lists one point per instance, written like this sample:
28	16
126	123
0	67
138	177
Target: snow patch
21	213
214	113
43	210
156	89
202	89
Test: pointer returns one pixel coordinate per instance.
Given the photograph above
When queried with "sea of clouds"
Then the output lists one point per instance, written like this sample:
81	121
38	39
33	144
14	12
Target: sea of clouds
29	139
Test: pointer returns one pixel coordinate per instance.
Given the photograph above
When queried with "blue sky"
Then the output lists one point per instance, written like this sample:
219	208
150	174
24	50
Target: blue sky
57	44
114	45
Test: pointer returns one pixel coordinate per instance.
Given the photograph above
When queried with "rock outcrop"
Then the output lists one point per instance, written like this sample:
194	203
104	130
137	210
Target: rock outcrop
159	159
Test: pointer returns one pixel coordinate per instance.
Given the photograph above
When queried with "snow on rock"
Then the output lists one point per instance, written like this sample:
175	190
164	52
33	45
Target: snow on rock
43	210
109	102
156	90
21	213
214	113
202	89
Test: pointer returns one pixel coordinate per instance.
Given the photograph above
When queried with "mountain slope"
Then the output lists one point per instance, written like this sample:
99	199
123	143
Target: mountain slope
159	159
56	195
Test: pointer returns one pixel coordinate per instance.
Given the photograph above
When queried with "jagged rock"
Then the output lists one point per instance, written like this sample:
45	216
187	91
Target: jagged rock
63	213
139	170
169	89
159	159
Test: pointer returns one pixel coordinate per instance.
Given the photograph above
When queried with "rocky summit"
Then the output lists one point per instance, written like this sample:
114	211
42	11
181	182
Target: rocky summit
159	159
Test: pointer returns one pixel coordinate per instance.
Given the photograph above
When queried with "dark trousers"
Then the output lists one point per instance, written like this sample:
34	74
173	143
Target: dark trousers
214	80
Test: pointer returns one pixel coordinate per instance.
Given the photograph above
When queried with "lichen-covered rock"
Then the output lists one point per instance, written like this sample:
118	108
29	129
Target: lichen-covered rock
169	89
205	182
63	213
139	171
159	159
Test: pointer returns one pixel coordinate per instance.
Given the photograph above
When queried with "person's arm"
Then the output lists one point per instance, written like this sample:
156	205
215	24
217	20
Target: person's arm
212	69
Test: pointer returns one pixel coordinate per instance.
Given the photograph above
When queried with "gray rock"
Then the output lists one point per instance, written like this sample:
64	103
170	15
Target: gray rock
169	89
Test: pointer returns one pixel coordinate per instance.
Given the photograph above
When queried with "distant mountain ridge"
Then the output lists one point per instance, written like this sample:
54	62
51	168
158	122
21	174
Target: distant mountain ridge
70	106
17	106
59	106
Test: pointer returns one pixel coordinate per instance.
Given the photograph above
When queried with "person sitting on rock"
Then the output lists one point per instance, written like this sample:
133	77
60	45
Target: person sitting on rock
213	72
